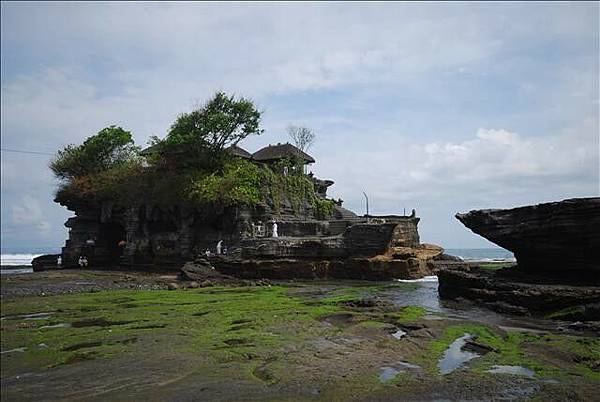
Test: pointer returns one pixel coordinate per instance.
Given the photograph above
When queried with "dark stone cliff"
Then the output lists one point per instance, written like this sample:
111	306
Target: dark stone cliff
166	236
557	236
557	272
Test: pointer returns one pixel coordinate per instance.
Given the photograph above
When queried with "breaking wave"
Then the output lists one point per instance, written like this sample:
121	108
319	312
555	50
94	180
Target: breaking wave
432	278
12	260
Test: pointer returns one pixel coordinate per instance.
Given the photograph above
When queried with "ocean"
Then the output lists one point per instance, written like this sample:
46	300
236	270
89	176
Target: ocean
482	254
16	256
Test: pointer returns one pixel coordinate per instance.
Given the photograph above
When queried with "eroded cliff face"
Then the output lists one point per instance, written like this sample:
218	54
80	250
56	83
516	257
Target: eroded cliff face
552	237
317	237
109	234
166	236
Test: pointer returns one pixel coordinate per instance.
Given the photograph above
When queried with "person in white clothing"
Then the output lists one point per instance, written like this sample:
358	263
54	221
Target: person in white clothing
219	246
275	234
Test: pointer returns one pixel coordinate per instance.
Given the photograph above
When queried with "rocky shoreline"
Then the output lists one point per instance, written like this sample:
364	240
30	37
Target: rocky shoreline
300	340
507	291
557	269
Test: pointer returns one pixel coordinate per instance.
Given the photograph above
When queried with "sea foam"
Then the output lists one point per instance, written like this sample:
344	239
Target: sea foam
12	260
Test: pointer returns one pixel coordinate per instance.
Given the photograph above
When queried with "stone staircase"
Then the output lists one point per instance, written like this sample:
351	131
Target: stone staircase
343	213
338	227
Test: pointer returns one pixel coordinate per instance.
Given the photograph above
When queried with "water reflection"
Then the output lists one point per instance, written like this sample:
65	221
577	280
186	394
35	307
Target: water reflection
455	356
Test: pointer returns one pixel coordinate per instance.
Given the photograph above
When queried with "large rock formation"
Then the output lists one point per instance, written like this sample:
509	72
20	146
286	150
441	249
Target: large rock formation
165	237
156	235
557	273
558	236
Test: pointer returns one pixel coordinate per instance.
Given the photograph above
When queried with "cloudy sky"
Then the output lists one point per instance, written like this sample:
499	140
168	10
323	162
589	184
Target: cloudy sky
442	107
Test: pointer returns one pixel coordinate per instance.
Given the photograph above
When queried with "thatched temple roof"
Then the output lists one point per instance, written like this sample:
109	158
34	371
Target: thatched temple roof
280	151
237	151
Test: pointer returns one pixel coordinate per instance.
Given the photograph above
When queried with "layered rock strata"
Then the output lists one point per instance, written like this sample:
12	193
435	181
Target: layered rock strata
508	291
557	272
557	236
381	267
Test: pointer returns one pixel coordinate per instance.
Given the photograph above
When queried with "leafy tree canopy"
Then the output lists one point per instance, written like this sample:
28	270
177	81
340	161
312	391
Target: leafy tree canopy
188	166
222	121
110	147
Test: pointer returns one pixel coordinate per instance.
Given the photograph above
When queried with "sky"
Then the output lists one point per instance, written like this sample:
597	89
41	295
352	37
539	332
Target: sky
441	107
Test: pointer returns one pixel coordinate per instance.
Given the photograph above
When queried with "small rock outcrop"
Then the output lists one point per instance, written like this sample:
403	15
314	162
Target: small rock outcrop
557	236
508	291
200	270
45	262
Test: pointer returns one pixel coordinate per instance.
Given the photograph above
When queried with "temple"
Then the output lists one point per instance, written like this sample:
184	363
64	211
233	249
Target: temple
149	235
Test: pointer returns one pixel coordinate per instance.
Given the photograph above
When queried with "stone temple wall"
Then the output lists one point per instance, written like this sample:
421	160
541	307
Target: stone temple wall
406	233
361	239
368	239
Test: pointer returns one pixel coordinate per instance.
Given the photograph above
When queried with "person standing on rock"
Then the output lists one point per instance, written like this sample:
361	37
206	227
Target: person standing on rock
219	246
275	234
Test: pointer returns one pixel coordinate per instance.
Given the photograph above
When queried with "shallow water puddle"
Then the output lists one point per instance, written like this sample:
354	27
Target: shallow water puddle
455	356
389	373
512	370
33	316
59	325
399	334
20	350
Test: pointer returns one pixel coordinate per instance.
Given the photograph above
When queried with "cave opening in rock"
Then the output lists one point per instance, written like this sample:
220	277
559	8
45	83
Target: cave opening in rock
113	236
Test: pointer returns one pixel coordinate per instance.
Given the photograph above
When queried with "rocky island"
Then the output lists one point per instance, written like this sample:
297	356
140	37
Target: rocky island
199	194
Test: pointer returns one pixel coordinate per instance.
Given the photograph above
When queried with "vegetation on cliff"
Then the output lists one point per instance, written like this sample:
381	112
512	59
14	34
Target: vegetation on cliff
190	166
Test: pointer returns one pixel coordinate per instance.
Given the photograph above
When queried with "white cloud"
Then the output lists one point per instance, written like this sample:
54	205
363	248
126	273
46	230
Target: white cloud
29	213
493	169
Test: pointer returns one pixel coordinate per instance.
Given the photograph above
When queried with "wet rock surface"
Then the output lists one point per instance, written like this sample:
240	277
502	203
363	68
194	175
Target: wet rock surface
328	340
54	282
45	262
513	294
200	270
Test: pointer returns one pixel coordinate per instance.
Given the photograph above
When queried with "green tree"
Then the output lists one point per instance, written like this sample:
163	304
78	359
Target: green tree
110	147
222	121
